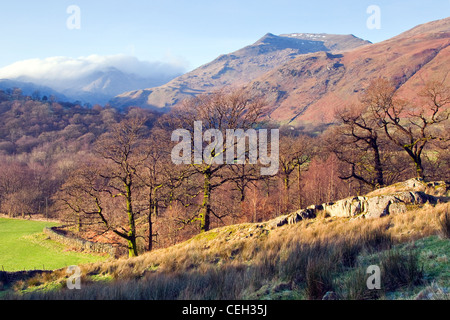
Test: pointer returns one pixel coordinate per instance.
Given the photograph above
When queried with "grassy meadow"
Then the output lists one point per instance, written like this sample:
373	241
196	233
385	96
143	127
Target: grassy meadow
23	246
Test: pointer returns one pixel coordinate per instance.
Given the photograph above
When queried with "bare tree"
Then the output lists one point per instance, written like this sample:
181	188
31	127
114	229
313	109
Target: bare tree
295	154
410	126
163	181
357	141
124	151
220	110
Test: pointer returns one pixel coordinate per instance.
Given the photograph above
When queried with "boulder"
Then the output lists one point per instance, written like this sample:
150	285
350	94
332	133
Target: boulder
301	214
434	188
378	206
348	207
294	218
278	222
433	292
397	207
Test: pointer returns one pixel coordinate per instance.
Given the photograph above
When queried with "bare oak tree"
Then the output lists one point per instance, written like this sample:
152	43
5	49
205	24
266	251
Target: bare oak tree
295	154
410	126
220	110
124	151
357	141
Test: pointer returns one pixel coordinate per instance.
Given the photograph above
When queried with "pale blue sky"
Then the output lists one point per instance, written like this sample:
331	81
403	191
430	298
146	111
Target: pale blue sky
192	32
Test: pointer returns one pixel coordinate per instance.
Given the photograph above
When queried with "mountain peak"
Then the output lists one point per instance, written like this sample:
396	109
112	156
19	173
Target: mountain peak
238	68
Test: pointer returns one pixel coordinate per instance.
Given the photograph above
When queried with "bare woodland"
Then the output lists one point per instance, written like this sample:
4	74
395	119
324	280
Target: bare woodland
109	174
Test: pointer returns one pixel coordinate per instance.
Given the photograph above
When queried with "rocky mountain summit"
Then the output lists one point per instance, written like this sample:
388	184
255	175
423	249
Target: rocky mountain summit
238	68
305	77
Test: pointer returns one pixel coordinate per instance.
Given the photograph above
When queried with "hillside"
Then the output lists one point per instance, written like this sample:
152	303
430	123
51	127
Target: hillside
93	79
31	89
311	87
308	259
305	77
237	68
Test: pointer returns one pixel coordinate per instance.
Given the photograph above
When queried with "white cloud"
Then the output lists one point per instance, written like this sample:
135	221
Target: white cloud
54	69
88	78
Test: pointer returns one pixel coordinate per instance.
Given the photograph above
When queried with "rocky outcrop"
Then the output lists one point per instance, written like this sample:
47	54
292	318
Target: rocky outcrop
309	213
390	200
377	206
434	188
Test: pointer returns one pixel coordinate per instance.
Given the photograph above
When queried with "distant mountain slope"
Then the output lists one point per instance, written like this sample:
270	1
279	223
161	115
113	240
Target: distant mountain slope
93	79
237	68
305	77
97	87
310	87
29	89
100	86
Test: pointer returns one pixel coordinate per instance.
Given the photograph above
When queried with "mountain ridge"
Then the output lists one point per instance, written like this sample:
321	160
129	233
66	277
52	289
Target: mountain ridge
30	88
234	69
307	87
315	85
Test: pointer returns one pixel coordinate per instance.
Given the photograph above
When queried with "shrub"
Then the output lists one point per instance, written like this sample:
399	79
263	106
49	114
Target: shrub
348	252
319	278
400	269
294	267
377	239
354	287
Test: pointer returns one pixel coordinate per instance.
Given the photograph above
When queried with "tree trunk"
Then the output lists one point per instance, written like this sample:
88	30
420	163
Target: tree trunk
299	187
132	247
153	211
79	224
417	161
419	167
205	213
286	183
150	232
379	179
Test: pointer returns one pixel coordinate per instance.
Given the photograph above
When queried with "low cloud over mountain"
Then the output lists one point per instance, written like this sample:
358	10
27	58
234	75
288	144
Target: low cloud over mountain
93	79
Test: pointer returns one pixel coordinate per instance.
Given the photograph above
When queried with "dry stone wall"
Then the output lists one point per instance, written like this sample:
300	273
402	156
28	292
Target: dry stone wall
81	244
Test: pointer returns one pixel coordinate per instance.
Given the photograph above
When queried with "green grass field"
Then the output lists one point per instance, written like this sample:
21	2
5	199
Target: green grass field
23	246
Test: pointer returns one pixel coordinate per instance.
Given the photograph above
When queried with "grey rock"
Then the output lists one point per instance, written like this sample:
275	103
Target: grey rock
374	205
348	207
284	286
378	206
278	222
397	207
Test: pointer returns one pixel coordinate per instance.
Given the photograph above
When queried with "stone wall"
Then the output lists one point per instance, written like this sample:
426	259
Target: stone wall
79	243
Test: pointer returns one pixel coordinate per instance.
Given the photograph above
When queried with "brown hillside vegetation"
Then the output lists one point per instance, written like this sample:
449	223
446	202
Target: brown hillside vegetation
258	261
307	84
237	68
311	87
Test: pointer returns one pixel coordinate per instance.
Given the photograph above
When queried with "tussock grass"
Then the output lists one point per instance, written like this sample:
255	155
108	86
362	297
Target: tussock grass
401	269
444	222
304	260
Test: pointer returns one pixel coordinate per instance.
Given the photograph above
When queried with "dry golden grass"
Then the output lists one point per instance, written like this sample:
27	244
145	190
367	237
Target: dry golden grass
234	262
214	248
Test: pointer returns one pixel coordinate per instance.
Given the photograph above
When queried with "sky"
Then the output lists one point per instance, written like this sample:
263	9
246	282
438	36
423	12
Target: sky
188	33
